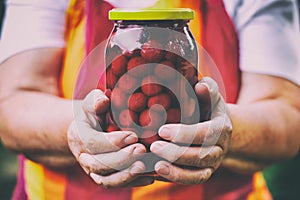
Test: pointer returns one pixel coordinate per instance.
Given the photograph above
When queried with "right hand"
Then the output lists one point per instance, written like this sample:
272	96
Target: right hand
110	159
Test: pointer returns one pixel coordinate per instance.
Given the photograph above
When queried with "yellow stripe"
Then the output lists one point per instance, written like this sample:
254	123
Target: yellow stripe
75	37
34	177
158	190
195	24
55	185
260	190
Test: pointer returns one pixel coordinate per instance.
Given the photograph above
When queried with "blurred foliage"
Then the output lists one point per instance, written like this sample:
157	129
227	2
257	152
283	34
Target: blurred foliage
1	12
283	179
8	171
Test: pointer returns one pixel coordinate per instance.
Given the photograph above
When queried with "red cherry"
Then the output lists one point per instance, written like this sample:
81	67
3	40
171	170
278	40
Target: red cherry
162	99
152	51
150	119
128	83
140	66
165	71
148	137
137	102
112	128
150	86
135	62
111	79
119	65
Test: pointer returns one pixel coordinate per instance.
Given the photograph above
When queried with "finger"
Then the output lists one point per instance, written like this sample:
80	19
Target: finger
104	164
212	88
121	178
206	133
96	102
204	100
92	110
84	139
201	157
207	91
182	176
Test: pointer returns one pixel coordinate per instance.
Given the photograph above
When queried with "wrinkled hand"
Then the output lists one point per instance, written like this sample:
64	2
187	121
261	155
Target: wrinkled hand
194	152
109	158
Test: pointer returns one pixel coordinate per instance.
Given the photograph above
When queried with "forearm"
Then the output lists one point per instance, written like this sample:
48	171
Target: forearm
35	124
264	132
34	119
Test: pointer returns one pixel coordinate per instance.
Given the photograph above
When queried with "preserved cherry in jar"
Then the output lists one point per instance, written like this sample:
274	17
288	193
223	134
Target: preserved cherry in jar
151	60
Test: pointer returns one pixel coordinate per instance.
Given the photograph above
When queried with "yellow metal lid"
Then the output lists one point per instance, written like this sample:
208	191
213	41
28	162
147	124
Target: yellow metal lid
151	14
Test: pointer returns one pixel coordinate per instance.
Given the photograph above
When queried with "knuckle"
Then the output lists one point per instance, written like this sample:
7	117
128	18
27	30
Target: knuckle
96	166
211	84
204	161
203	177
98	182
124	179
228	127
206	175
91	166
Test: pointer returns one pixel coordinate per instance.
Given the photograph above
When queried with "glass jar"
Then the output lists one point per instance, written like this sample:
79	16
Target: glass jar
152	62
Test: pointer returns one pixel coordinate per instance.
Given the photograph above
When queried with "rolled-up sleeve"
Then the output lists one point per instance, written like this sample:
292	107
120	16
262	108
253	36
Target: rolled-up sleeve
269	37
30	24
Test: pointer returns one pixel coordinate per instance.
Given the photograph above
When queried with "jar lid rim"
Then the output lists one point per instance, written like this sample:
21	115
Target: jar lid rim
151	14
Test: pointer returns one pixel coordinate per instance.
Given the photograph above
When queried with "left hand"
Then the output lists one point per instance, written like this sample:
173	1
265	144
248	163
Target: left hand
195	151
110	159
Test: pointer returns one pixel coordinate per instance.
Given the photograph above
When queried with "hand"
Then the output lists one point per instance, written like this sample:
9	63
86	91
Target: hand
194	152
109	158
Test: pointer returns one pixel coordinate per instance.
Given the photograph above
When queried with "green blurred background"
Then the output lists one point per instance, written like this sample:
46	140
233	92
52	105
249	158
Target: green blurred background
8	169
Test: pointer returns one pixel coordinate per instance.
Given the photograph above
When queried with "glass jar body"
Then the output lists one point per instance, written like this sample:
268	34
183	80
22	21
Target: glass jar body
151	69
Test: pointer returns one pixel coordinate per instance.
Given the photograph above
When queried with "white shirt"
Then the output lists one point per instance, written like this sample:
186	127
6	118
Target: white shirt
268	31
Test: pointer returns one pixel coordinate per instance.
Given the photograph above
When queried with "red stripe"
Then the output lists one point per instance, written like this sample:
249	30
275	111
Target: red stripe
81	186
221	42
225	183
19	192
190	192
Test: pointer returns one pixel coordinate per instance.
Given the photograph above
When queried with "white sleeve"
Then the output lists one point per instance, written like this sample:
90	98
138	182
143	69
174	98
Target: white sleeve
30	24
269	36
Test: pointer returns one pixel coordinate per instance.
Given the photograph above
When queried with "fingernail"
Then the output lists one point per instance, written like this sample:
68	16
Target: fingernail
96	178
130	139
138	150
156	146
86	170
101	98
204	84
99	105
163	170
84	159
165	132
135	169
